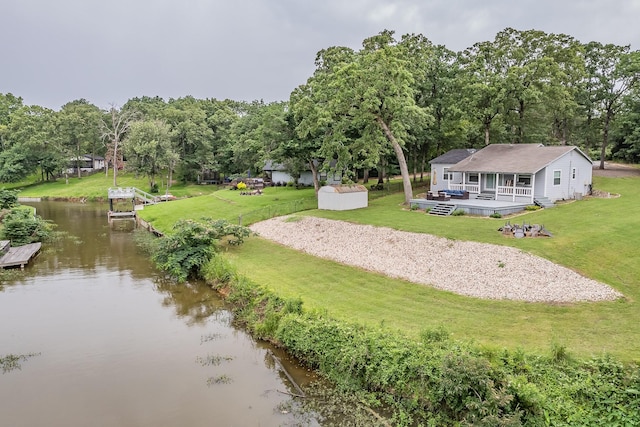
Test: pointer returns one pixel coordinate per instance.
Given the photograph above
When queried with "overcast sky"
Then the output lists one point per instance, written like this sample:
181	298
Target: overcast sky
108	51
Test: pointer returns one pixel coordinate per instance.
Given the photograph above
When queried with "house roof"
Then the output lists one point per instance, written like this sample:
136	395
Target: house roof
513	158
452	157
272	166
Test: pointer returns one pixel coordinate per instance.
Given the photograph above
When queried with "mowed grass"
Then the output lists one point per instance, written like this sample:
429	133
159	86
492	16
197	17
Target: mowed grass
598	238
230	205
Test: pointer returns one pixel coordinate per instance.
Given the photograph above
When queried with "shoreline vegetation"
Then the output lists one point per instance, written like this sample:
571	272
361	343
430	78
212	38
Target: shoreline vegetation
517	363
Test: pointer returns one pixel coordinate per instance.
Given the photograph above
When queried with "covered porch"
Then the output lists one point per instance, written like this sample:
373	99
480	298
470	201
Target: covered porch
508	187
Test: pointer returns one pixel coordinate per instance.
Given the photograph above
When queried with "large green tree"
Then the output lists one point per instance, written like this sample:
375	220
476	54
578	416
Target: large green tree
613	72
28	145
78	130
149	150
372	92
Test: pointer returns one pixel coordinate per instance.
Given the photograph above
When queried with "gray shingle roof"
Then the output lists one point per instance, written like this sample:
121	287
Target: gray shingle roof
512	158
452	157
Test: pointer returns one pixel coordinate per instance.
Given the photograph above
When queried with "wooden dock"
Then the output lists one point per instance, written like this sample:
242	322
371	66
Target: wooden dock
18	256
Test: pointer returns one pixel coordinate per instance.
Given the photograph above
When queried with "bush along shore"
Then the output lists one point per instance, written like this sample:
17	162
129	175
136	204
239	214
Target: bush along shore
436	380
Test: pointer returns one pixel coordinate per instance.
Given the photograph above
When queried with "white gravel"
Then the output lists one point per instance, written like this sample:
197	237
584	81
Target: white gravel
467	268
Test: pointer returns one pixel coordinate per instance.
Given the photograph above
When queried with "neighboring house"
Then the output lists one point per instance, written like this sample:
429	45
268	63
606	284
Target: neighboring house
278	173
87	163
523	172
440	174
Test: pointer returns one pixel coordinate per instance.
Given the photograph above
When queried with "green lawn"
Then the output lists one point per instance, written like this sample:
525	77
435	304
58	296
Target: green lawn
596	237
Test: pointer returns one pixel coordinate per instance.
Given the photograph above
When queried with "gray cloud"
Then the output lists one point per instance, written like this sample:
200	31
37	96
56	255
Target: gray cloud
108	52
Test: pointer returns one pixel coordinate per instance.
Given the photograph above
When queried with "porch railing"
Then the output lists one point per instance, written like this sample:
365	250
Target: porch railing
471	188
518	191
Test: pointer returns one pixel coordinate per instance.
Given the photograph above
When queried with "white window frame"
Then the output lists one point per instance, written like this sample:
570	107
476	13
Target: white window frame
559	177
445	174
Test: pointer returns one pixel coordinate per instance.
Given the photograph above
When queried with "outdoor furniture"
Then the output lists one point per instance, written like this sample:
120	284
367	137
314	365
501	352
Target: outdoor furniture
443	196
457	194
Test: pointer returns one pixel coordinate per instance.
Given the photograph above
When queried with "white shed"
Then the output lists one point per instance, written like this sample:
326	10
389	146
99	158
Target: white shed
343	197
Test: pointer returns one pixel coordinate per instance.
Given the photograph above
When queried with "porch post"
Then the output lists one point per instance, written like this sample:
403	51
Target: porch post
513	190
533	187
464	180
495	190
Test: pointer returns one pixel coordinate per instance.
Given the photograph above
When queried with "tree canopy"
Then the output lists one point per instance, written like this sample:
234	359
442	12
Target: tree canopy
393	103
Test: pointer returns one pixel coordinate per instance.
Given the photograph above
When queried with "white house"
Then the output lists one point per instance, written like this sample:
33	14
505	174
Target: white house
343	197
278	173
87	163
523	173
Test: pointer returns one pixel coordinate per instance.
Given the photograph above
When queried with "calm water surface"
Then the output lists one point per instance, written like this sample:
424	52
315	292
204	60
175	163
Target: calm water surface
116	346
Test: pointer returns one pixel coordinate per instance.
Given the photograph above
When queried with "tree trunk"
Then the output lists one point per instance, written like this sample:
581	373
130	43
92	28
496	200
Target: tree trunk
605	139
115	163
365	176
402	161
314	174
487	127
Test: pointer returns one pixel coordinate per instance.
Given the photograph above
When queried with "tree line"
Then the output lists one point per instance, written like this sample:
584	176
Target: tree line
388	107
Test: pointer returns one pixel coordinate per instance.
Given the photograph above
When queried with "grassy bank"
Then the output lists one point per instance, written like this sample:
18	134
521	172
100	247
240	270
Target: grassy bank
596	237
94	187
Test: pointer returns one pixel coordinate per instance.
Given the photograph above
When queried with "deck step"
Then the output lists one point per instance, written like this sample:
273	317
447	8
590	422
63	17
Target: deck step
442	209
543	202
486	196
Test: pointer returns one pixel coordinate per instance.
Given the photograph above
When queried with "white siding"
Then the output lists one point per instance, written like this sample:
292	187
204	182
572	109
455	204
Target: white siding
439	183
569	187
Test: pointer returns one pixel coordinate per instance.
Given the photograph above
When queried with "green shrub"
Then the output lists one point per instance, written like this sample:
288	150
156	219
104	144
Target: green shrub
458	212
21	226
8	198
495	215
531	208
193	243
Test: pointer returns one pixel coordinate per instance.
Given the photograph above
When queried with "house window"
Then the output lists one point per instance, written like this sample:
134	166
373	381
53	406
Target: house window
473	178
524	180
556	177
445	174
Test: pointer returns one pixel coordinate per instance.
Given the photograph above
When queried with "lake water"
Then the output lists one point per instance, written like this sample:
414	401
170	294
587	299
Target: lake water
114	345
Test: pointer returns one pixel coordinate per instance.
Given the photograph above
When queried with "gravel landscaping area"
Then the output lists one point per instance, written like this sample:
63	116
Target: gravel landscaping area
468	268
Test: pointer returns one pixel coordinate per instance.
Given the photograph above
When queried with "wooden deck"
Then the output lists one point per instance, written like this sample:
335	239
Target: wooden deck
20	255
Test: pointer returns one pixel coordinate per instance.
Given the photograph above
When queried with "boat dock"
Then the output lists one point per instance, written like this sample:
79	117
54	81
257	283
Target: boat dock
18	256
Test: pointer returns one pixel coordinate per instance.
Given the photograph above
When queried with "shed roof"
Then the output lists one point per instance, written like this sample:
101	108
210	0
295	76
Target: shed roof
345	188
513	158
452	157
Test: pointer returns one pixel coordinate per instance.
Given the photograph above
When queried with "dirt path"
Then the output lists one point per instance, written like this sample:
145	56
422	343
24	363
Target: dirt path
616	170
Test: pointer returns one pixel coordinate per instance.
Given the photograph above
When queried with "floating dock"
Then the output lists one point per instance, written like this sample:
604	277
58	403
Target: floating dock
18	256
